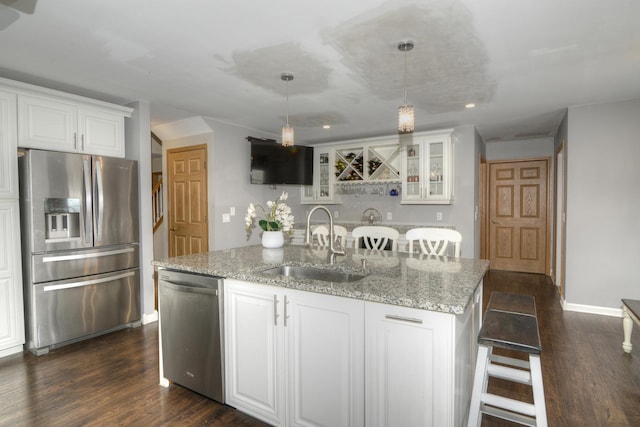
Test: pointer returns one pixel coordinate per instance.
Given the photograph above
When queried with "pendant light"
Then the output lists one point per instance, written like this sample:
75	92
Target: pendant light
287	131
405	112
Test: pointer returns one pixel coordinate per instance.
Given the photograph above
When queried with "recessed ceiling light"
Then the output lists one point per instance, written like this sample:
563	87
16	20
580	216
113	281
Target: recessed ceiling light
326	126
470	105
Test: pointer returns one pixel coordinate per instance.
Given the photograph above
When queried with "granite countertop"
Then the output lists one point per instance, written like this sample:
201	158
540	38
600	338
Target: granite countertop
429	283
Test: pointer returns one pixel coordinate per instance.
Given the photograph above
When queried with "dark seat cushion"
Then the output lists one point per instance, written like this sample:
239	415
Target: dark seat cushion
515	303
509	330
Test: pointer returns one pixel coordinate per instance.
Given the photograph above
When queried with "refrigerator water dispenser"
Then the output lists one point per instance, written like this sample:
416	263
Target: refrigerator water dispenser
62	219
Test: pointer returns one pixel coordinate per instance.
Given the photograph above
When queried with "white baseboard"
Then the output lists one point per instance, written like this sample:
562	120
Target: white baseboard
150	318
592	309
11	350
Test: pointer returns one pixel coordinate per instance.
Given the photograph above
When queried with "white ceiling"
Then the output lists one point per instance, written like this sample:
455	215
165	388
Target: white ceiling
521	61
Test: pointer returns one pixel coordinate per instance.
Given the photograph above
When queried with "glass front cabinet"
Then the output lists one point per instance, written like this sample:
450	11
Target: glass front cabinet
428	169
322	190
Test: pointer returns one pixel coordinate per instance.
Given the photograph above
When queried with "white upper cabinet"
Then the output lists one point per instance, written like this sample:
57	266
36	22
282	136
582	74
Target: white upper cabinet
368	163
11	305
427	163
64	125
322	190
101	132
8	146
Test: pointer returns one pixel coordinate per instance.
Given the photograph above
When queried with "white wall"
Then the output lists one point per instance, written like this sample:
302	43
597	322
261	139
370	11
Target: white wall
520	149
603	204
138	147
228	170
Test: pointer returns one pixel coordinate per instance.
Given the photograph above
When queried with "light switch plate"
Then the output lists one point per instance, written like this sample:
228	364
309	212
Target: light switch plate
438	216
226	217
389	216
232	211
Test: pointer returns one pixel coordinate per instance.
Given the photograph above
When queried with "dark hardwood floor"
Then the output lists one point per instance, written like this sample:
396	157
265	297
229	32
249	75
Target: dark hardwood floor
113	379
588	379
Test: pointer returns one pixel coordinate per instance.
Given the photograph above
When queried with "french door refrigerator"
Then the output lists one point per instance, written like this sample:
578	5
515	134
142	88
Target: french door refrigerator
79	223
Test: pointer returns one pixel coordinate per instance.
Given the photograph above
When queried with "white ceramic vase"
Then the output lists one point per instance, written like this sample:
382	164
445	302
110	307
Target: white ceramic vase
272	239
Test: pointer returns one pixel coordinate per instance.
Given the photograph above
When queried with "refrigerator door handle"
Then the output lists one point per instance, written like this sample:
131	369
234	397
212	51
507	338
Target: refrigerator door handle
49	288
86	170
85	256
100	200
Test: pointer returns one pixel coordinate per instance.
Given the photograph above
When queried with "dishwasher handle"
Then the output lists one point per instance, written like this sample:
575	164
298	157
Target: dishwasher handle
195	289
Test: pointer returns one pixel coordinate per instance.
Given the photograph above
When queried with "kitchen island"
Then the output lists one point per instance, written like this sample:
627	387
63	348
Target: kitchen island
396	347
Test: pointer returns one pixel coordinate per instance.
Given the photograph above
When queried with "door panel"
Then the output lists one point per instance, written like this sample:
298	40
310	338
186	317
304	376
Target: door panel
51	183
518	216
187	176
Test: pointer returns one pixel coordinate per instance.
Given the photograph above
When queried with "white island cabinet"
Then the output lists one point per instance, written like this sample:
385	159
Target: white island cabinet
294	358
419	365
396	347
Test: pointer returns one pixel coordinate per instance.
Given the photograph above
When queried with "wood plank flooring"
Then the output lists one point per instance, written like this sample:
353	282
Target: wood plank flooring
113	380
588	379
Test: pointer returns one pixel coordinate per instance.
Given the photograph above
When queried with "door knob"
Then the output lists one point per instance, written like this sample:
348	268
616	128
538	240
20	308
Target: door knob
493	221
172	228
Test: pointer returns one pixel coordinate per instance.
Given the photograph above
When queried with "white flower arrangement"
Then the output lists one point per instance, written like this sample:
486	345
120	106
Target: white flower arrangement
277	218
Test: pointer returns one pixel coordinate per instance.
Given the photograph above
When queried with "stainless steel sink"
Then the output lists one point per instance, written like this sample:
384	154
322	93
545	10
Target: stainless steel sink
313	273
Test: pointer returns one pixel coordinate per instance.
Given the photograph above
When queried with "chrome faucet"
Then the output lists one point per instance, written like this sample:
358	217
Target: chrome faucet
332	247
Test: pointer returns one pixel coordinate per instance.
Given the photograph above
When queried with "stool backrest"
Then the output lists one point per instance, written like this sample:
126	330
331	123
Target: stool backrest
434	241
321	233
376	237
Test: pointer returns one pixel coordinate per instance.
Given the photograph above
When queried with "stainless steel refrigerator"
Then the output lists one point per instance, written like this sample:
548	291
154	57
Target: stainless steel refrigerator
79	221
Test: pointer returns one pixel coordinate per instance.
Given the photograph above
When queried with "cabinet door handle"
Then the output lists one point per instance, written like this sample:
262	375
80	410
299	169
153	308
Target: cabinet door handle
402	318
275	310
286	316
75	141
82	142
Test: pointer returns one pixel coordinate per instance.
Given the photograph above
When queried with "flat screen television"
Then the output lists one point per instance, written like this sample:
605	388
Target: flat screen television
271	163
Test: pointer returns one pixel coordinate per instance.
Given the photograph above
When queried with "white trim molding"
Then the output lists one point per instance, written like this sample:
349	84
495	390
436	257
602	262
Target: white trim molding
592	309
153	317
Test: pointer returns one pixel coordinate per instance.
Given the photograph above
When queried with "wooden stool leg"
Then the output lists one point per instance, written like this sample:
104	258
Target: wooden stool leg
627	325
538	390
480	379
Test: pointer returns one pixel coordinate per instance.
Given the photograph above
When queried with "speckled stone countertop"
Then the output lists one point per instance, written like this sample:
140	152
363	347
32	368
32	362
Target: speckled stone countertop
437	284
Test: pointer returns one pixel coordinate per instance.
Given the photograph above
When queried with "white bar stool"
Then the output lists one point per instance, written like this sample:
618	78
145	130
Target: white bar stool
516	331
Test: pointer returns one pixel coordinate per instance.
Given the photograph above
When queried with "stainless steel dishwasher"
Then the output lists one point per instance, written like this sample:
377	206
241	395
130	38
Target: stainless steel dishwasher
190	309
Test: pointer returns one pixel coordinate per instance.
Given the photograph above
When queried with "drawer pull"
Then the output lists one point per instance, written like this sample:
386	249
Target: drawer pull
402	318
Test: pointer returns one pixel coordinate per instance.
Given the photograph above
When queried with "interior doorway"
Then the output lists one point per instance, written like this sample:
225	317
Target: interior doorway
188	204
518	212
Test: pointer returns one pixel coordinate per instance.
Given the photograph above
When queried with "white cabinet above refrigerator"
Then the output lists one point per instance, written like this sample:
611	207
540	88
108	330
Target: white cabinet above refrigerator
51	124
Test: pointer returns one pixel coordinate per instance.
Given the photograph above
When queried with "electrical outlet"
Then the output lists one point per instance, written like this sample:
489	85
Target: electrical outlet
336	214
226	217
232	211
438	216
389	216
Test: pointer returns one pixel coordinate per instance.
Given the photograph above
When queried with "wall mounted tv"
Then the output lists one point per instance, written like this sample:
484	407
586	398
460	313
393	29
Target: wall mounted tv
271	163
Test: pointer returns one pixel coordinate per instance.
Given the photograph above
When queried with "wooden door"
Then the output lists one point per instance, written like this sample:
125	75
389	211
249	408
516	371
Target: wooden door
518	227
187	192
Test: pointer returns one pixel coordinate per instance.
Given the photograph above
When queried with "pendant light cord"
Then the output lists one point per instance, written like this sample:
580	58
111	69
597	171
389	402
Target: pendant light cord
405	77
288	103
